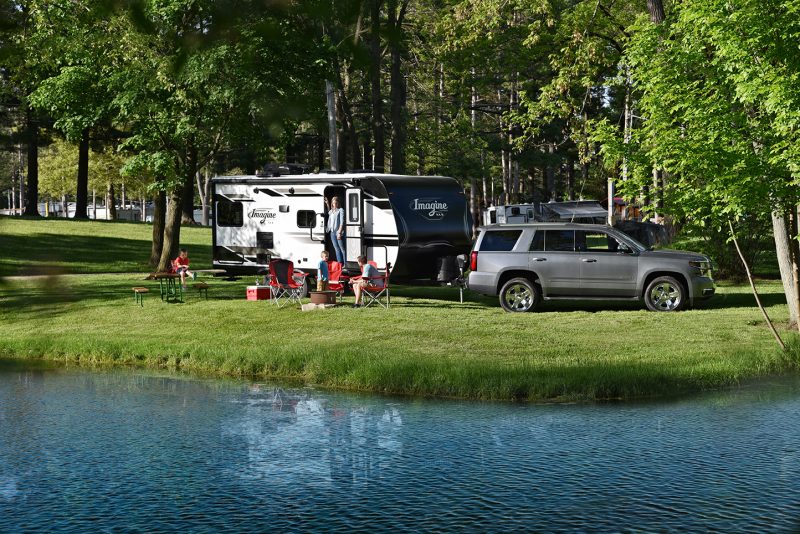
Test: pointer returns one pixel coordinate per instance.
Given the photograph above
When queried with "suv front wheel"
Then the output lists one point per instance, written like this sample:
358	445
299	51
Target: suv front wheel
665	293
520	295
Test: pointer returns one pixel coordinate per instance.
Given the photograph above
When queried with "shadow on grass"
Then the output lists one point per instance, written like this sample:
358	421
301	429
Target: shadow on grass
736	299
24	255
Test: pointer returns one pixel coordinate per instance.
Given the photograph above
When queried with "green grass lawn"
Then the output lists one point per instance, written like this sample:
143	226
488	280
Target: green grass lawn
426	344
33	246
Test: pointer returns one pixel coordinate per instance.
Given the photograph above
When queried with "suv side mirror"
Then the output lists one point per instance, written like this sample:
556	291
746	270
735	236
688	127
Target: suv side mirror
624	249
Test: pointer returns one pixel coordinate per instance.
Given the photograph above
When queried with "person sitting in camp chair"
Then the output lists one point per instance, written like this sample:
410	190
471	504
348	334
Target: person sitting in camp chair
181	267
370	277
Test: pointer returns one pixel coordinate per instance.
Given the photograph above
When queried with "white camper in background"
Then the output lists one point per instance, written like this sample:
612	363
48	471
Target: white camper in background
412	224
578	211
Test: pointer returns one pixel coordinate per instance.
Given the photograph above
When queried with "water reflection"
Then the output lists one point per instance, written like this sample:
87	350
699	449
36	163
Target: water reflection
123	450
342	444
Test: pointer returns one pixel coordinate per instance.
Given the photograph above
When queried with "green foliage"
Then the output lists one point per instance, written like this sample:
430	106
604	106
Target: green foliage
58	167
719	95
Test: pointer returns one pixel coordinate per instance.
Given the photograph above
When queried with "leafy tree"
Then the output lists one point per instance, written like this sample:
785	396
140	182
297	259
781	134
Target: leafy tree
720	102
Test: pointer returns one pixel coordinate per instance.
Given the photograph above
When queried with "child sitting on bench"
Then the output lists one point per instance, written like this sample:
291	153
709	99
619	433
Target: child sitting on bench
181	266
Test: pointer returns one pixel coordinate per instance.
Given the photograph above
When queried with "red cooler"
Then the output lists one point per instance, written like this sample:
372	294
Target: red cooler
257	292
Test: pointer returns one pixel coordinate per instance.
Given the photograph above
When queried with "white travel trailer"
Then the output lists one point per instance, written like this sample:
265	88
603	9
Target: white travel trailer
414	224
579	211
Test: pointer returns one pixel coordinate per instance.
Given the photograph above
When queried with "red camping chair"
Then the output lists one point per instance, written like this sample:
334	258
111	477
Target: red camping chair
377	289
336	280
284	286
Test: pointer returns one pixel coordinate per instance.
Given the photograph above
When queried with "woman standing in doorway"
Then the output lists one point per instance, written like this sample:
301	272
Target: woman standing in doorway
336	229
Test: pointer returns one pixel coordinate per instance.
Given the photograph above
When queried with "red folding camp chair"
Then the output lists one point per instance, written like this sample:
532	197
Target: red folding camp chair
377	289
336	280
285	285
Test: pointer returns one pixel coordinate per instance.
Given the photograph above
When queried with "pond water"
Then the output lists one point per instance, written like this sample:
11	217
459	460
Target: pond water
122	450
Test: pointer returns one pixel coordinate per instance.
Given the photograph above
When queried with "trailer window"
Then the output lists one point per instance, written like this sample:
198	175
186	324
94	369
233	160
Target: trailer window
352	202
306	218
500	240
229	213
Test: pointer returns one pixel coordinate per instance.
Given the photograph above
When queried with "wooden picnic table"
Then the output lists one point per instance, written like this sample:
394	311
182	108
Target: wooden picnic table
170	286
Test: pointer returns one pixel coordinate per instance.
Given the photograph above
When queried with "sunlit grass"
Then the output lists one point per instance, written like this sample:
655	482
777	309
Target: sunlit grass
426	344
35	246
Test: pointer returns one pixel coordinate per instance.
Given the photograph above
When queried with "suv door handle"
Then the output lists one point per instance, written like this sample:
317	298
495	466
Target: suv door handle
539	259
589	260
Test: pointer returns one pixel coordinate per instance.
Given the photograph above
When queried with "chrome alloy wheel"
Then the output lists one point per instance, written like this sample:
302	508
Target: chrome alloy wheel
666	296
518	297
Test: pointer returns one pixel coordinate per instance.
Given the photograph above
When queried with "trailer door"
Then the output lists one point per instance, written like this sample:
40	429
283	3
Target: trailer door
354	223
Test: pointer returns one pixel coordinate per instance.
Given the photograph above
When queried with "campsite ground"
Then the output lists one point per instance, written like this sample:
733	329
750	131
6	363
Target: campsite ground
426	344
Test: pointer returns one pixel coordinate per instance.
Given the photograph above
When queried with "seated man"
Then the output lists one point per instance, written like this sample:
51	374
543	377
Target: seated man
369	276
181	266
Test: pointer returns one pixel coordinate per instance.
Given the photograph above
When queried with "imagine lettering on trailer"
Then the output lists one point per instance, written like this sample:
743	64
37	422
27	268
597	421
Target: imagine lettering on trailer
429	208
262	214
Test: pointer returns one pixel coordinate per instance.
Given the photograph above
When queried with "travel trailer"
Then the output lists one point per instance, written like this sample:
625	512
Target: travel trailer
578	211
413	224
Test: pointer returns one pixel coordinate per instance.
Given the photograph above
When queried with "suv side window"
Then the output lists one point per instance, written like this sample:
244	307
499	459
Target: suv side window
595	242
500	240
537	243
560	240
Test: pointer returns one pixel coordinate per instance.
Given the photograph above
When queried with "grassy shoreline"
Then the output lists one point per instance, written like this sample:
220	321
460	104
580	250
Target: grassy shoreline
427	344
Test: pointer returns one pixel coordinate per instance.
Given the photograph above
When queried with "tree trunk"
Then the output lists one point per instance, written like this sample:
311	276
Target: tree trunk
204	189
331	100
32	194
21	177
794	249
187	196
570	179
783	248
111	203
159	217
656	10
172	231
379	142
551	172
82	192
349	126
397	87
473	205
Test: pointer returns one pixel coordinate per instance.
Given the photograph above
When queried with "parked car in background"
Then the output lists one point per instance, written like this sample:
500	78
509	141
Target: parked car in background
524	264
647	233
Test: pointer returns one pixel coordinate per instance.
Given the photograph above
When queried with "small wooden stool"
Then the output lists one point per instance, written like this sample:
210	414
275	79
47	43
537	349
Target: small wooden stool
138	295
202	288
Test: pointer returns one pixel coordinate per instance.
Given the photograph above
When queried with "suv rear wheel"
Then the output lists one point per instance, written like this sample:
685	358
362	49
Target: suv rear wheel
520	295
665	293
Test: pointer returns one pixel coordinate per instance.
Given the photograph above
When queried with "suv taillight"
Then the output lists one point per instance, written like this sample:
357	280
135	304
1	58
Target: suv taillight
473	261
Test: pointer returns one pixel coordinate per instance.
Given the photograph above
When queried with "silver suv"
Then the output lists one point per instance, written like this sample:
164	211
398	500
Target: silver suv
526	263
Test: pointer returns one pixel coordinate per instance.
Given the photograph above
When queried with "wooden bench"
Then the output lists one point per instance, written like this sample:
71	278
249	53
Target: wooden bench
202	288
138	295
